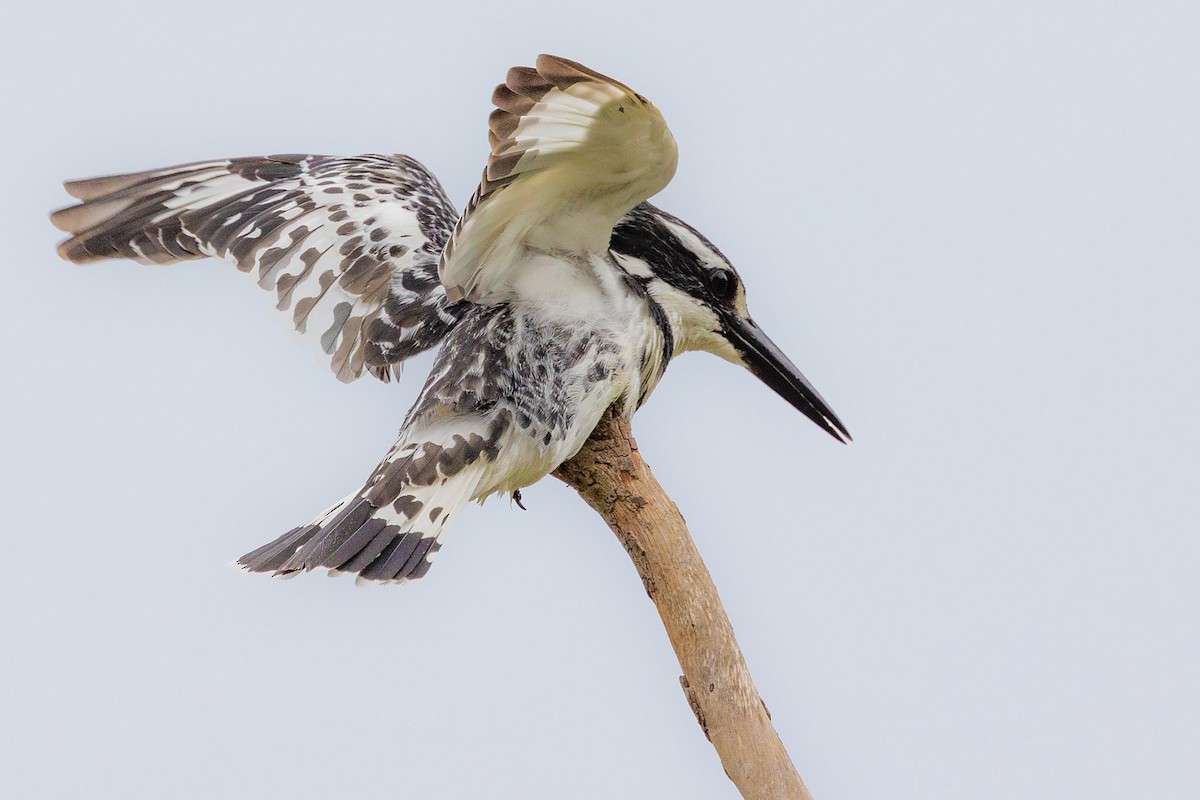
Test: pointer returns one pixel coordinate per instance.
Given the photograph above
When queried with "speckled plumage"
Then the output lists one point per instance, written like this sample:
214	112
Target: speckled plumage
349	246
546	315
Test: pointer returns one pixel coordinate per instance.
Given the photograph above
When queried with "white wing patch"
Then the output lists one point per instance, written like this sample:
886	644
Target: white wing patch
572	152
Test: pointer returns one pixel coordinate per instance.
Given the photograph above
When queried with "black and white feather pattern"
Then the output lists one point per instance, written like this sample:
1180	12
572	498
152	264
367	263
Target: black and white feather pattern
390	530
545	315
349	246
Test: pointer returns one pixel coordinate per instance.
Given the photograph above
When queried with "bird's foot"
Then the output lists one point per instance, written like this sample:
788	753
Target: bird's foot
516	496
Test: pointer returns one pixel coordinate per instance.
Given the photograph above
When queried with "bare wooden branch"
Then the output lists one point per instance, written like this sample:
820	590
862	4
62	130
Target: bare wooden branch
611	476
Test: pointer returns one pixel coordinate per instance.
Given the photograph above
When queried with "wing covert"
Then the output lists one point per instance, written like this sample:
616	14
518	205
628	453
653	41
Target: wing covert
349	246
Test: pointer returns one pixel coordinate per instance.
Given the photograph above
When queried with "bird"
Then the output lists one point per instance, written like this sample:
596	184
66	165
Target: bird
560	291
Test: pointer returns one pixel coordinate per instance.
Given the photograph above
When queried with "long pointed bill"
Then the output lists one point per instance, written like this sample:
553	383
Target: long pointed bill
774	369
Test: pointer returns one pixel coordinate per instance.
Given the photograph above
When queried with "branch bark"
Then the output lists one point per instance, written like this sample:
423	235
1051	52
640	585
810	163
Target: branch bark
611	476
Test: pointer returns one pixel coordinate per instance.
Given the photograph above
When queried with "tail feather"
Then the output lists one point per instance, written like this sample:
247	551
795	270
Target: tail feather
380	544
271	556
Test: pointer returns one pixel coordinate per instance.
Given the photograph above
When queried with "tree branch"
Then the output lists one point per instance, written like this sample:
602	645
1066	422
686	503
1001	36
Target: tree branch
611	476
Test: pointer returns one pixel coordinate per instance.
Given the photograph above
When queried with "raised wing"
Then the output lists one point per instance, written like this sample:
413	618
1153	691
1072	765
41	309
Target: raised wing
572	152
349	246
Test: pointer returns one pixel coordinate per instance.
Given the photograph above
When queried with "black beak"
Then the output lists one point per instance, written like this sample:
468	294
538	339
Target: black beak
775	370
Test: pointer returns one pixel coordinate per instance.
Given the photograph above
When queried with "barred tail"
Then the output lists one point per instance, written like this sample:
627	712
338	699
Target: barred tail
391	543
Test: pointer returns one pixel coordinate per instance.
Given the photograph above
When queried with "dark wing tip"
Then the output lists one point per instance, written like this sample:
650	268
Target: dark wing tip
526	82
506	99
74	251
61	218
502	123
85	189
563	72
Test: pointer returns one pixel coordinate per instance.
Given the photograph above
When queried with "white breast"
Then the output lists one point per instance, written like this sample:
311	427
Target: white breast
593	296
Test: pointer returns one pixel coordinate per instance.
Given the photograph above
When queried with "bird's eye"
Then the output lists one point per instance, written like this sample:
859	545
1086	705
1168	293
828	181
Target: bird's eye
722	283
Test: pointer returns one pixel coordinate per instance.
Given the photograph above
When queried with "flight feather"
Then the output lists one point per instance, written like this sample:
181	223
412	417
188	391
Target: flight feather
348	246
571	152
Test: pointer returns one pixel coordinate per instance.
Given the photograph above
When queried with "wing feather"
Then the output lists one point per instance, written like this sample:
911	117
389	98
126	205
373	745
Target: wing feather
571	152
349	246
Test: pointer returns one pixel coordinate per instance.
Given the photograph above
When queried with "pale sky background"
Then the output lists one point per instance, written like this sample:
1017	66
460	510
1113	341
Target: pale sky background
977	231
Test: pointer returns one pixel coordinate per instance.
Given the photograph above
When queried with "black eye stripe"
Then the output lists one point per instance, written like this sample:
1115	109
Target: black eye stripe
643	234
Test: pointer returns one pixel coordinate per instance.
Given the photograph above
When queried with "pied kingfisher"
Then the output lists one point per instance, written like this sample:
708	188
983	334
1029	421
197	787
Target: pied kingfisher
558	293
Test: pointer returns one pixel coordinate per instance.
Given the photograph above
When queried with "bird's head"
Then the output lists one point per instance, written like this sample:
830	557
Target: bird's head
704	303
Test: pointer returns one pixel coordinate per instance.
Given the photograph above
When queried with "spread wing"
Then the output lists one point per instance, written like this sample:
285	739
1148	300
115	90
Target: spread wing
349	246
572	152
